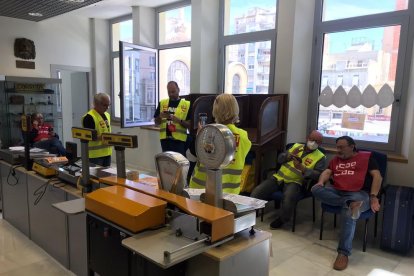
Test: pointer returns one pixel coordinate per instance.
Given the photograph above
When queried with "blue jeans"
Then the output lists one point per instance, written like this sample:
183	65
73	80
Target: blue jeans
334	197
53	145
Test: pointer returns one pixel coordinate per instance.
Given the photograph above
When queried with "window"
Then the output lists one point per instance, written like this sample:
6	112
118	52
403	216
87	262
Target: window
248	32
364	56
174	44
236	84
175	65
120	30
138	86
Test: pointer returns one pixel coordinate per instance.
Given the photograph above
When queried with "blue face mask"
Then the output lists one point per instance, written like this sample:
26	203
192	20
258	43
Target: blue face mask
312	145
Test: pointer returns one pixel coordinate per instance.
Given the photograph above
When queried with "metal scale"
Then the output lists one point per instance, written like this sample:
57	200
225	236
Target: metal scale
216	147
119	141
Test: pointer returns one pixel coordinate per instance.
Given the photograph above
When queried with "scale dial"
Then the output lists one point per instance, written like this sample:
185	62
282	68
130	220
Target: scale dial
215	146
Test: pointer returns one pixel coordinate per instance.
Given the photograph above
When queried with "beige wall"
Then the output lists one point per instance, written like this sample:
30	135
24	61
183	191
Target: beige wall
60	40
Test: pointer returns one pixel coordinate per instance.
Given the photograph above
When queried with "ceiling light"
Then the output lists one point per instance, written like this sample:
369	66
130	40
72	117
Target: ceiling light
73	1
37	14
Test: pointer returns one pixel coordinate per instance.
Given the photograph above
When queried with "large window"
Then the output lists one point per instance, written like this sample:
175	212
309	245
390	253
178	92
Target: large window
174	44
248	46
120	30
361	70
138	84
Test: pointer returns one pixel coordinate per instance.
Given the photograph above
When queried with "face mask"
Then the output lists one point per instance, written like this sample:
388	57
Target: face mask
312	145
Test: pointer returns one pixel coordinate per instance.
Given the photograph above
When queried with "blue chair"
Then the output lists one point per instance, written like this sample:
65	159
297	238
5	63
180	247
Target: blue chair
306	193
326	208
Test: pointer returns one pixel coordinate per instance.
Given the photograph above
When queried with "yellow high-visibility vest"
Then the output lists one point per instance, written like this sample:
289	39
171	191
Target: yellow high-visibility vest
181	112
96	148
231	175
288	173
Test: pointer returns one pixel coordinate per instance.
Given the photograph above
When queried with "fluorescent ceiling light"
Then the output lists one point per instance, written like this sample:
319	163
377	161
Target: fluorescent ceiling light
73	1
37	14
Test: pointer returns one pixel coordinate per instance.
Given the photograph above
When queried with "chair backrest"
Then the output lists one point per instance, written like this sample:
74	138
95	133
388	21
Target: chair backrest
381	159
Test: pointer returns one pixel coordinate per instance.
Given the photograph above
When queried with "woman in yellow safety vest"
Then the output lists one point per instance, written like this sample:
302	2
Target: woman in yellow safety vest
226	112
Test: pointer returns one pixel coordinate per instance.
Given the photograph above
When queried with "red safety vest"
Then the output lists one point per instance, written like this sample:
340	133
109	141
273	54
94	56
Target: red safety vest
349	174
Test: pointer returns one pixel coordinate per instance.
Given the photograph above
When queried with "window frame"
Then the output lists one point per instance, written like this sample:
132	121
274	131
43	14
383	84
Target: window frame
403	70
169	46
113	55
244	38
166	8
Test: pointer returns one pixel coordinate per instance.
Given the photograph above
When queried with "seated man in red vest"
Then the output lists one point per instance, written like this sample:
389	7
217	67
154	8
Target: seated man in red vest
43	136
348	170
299	162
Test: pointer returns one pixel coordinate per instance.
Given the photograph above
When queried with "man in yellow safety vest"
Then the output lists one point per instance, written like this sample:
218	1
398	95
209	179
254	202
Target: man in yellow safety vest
297	163
173	118
97	118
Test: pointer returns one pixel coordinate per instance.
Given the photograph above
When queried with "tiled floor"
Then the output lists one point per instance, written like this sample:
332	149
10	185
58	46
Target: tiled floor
300	253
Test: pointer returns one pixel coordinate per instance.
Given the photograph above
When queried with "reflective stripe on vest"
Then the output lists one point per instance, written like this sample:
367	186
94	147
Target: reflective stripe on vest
231	175
96	148
181	112
288	173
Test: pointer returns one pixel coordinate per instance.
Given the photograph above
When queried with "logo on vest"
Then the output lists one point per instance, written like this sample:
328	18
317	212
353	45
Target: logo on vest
345	168
308	161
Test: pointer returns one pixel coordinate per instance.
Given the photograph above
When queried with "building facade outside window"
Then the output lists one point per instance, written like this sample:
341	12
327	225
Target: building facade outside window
248	40
174	44
361	69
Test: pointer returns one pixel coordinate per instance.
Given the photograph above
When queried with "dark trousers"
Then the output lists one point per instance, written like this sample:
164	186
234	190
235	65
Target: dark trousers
104	161
290	195
173	145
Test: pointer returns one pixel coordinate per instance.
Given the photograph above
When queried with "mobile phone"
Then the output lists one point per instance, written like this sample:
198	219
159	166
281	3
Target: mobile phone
202	118
297	158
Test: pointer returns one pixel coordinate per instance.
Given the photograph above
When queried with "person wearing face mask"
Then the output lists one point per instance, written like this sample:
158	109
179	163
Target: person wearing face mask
297	163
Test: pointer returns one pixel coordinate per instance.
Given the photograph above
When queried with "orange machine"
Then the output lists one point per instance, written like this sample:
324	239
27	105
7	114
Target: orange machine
217	223
130	209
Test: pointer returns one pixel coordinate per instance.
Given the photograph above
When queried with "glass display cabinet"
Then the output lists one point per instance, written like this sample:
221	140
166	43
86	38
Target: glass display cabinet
22	95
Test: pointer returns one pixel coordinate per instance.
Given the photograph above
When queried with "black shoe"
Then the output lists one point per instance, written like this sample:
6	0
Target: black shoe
276	224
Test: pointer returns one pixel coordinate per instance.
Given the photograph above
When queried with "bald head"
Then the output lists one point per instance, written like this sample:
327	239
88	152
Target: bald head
315	136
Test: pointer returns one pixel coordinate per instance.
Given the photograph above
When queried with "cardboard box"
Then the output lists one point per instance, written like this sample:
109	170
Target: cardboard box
353	121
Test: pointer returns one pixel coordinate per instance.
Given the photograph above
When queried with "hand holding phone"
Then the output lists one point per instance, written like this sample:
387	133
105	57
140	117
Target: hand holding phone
202	119
297	158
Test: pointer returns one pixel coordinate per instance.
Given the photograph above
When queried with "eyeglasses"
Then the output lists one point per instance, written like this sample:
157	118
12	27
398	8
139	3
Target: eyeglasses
340	147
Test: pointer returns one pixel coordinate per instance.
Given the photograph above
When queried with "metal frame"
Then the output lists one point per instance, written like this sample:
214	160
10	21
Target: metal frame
113	55
226	40
401	18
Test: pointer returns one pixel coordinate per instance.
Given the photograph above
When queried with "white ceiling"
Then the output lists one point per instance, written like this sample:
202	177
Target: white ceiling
107	9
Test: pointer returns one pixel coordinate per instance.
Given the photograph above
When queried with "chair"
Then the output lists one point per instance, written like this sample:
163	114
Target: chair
382	165
304	194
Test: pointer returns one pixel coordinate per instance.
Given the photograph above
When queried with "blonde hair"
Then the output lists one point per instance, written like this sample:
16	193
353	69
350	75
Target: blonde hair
226	109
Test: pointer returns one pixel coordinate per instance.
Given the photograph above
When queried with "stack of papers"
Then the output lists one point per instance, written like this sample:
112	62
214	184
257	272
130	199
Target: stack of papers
21	148
238	199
